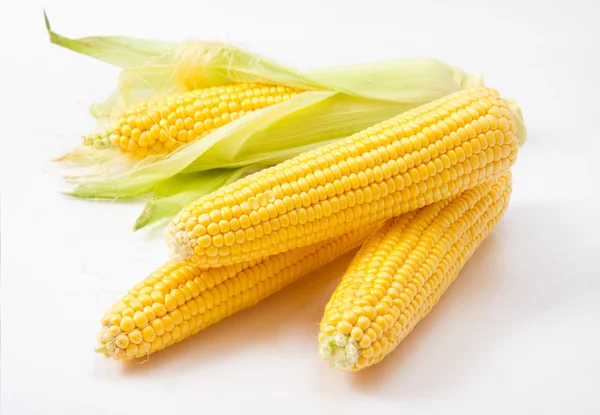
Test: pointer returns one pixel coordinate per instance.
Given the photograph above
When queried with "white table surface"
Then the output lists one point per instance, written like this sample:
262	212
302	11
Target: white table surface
519	331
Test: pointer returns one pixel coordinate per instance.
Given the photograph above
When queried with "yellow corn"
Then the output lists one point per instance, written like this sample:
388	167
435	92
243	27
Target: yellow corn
401	272
180	299
415	159
161	125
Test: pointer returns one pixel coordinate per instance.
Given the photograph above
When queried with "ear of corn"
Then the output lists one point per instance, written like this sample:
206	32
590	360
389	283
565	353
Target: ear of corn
402	270
418	158
180	299
164	124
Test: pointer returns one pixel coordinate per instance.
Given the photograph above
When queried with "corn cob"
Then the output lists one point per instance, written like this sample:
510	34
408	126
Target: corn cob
402	270
162	125
180	299
415	159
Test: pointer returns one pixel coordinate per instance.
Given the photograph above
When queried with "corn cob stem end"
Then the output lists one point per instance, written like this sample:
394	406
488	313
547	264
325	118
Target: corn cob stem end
340	351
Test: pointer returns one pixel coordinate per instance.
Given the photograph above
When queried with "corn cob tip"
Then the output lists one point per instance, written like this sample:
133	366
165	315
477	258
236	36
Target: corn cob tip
178	242
97	140
340	351
105	340
111	343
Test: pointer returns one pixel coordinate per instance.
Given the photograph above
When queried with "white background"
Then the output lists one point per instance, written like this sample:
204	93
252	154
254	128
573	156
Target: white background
519	331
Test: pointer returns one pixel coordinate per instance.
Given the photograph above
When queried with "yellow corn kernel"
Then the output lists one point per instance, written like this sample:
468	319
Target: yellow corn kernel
209	295
404	268
415	159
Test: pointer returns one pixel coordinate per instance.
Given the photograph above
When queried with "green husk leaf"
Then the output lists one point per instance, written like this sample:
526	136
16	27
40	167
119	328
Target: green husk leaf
292	128
412	80
181	189
124	52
